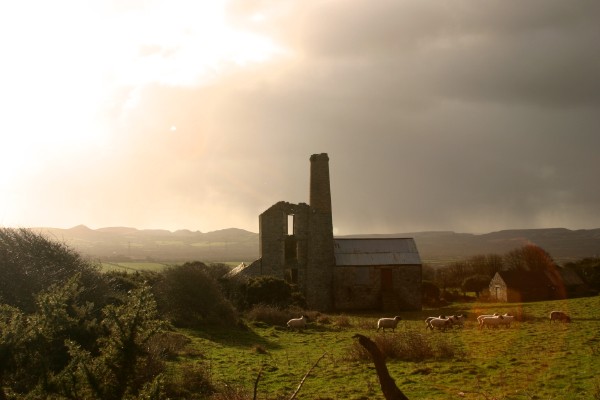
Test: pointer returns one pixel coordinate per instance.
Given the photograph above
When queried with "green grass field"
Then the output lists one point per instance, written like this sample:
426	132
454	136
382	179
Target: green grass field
533	359
133	266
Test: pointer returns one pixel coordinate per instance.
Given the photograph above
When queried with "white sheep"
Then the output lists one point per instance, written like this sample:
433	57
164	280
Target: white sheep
479	318
439	323
490	321
297	323
496	321
559	316
383	323
430	318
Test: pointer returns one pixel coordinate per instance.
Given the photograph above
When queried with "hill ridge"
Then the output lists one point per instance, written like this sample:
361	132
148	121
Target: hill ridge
235	244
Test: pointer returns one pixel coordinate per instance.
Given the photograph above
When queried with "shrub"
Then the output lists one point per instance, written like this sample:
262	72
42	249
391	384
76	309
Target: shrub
193	383
122	366
430	293
408	345
189	297
342	321
268	314
267	290
31	263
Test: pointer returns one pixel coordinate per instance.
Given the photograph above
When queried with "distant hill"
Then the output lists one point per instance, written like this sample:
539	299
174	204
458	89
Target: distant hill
121	243
563	244
130	244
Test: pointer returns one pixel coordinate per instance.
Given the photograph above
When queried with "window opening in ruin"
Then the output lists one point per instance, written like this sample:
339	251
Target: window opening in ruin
290	224
294	275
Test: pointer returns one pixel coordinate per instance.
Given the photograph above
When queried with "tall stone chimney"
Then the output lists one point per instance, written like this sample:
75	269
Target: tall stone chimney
320	192
321	259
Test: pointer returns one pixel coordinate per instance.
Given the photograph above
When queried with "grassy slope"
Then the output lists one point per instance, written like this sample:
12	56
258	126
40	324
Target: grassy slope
534	359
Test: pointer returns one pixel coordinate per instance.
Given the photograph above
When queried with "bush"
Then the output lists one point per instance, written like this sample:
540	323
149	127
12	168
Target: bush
430	294
342	321
269	290
193	383
405	346
189	297
268	314
31	263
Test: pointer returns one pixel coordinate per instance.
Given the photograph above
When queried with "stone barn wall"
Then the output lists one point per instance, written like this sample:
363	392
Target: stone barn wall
361	288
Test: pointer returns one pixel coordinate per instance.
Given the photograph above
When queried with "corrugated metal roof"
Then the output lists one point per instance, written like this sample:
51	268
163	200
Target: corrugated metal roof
376	251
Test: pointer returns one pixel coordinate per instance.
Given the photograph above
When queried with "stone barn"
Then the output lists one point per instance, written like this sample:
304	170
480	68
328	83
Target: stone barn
381	273
297	244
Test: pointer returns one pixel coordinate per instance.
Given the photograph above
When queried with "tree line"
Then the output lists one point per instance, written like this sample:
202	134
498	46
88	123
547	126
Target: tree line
474	274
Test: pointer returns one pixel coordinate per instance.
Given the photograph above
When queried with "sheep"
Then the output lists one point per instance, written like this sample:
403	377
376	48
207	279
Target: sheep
559	316
458	320
383	323
439	323
496	321
297	323
430	318
491	321
506	320
479	318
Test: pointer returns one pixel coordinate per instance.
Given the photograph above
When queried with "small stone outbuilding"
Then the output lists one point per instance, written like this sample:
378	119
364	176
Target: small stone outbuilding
520	286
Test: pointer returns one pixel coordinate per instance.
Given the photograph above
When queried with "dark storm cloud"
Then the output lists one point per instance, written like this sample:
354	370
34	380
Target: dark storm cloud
464	116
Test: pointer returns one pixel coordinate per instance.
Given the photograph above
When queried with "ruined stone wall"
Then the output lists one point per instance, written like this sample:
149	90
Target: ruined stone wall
273	230
280	252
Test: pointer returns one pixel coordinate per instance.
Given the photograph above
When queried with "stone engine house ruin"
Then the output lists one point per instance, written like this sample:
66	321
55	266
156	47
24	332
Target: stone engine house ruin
334	273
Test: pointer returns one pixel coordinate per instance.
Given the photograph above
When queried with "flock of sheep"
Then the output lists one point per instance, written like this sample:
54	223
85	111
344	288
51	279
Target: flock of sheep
443	322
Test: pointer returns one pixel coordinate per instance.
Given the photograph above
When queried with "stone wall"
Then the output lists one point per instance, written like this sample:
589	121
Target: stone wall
360	288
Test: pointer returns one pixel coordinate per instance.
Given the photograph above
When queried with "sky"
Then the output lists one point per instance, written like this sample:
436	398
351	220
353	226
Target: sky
470	116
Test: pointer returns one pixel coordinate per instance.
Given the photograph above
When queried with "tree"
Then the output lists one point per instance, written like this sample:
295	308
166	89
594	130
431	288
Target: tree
475	283
588	269
529	258
430	293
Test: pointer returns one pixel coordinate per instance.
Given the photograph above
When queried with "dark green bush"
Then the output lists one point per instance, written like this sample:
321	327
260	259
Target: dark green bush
430	293
31	263
189	296
268	290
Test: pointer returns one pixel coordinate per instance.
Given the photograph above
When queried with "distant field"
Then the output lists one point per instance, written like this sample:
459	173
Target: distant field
145	266
132	266
533	359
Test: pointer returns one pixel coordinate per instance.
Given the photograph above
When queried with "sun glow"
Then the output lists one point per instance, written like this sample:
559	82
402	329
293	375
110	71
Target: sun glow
72	71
